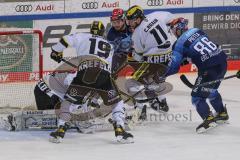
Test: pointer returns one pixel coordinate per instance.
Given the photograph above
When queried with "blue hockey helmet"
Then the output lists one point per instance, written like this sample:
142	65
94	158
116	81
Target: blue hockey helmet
179	26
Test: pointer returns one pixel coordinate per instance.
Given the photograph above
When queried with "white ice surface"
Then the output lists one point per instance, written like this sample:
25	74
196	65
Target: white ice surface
162	140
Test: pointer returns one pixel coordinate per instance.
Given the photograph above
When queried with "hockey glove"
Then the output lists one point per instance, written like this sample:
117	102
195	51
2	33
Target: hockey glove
56	56
238	74
184	62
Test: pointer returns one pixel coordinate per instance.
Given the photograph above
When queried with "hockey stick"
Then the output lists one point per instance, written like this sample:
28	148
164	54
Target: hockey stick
69	63
190	85
186	81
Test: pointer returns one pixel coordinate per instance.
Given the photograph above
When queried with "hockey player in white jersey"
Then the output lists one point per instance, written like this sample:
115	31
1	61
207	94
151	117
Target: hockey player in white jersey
152	42
92	75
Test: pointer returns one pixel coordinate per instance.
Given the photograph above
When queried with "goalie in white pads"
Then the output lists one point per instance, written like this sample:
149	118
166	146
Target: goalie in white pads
92	74
152	43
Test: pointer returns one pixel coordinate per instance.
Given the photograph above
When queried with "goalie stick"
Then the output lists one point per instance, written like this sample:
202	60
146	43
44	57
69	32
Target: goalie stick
190	85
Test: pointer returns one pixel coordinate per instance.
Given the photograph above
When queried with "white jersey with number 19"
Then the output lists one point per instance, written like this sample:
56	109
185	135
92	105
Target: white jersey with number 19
87	44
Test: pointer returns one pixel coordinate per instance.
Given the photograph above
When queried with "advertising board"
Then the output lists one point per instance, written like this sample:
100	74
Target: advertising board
204	3
94	5
162	4
223	28
29	7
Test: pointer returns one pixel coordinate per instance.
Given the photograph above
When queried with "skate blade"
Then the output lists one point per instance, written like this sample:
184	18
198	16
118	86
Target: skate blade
203	130
159	110
124	141
222	122
86	130
55	140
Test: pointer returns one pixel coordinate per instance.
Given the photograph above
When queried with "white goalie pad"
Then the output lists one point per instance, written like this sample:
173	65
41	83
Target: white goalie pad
133	87
161	89
141	92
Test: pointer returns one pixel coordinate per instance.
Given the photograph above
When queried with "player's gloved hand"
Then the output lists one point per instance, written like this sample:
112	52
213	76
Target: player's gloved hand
56	56
184	62
238	74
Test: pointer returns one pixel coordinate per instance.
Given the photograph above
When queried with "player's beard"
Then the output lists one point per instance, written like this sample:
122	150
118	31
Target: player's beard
133	27
122	28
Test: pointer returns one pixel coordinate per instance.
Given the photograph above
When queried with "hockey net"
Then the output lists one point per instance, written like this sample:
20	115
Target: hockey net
21	66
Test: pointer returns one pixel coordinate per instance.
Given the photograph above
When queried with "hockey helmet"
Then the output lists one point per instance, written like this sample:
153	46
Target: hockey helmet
97	28
117	14
179	26
135	12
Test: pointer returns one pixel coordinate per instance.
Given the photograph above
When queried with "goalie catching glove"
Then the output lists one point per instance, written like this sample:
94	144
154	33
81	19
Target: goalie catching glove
56	56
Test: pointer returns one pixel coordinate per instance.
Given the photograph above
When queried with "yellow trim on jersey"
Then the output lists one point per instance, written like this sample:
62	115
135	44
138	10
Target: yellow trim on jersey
138	73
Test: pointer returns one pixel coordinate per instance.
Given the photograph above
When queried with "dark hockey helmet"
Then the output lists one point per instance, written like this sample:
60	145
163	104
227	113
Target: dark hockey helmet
117	14
97	28
134	12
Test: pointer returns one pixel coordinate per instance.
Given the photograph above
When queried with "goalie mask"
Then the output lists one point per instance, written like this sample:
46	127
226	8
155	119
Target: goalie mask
97	28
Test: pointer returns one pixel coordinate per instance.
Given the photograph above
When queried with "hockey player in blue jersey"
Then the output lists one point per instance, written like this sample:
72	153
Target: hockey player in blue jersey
211	62
120	36
119	29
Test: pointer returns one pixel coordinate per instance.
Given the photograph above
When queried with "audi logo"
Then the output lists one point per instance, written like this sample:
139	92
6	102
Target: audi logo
89	5
237	1
155	2
23	8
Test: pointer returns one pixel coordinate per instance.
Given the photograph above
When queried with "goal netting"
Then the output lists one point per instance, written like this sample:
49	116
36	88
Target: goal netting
20	67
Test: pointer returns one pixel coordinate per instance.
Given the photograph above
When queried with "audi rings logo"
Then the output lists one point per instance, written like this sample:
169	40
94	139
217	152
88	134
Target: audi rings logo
23	8
237	1
155	2
90	5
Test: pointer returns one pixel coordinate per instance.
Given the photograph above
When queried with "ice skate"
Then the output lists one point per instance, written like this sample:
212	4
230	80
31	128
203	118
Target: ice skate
121	135
207	124
58	135
222	117
140	112
160	106
143	114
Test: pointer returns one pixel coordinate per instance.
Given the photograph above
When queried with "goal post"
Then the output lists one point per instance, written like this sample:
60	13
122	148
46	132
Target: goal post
21	66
